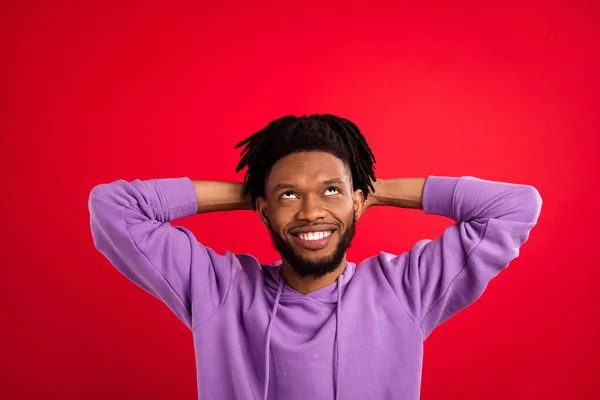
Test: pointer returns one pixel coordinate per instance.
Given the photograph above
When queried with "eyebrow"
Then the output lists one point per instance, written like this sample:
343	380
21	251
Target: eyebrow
280	186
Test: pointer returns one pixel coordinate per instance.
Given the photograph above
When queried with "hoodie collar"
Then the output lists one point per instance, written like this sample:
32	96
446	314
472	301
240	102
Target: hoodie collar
327	294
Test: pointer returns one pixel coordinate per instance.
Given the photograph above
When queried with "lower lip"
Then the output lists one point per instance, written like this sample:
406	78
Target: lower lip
313	244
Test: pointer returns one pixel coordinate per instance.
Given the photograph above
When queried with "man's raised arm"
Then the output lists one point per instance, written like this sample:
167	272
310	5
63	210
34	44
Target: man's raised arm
437	278
130	225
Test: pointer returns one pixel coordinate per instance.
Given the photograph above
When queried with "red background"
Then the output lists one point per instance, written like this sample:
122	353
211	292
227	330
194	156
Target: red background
94	92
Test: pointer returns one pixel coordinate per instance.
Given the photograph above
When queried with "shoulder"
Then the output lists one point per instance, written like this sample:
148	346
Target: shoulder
387	267
380	264
382	260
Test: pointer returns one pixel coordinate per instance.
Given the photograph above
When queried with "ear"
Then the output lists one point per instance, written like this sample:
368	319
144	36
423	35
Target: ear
358	200
261	207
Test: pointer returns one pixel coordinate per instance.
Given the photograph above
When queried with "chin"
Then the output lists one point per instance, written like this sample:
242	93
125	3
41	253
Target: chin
315	255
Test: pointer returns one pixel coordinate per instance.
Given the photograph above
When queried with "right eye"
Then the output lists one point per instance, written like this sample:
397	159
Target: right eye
285	194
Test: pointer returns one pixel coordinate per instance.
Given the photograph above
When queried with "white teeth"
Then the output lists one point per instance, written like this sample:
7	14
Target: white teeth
314	235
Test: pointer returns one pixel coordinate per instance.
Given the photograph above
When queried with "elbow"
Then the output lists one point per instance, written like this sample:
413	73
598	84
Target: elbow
103	206
96	207
531	202
524	205
106	218
101	191
97	193
114	192
93	198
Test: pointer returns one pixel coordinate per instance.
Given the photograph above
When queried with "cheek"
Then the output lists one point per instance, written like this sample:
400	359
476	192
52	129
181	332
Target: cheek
276	224
342	206
342	211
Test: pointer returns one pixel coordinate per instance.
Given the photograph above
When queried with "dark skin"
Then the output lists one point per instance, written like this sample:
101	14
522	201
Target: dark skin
310	202
306	189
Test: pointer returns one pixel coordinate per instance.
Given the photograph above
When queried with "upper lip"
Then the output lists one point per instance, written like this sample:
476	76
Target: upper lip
314	228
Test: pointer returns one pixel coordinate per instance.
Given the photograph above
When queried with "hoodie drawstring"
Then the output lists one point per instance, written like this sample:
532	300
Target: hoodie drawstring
268	344
337	338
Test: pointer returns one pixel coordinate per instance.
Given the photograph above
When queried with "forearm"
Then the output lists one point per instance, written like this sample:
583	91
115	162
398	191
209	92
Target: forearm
221	196
399	192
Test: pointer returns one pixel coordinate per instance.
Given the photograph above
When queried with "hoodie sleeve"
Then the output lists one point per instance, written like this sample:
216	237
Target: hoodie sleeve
130	224
438	278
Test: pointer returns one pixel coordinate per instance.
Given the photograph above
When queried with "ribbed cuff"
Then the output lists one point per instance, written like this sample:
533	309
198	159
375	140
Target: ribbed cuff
180	197
438	195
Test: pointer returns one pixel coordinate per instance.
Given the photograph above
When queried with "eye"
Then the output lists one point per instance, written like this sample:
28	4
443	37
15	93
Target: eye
333	188
286	193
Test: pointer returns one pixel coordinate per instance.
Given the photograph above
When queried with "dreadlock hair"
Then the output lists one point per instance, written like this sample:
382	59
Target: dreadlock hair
289	134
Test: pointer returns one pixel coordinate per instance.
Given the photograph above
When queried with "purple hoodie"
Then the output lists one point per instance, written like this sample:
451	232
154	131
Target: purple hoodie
359	338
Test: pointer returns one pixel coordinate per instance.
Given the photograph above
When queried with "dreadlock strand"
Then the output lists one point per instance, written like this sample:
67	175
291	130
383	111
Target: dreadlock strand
289	134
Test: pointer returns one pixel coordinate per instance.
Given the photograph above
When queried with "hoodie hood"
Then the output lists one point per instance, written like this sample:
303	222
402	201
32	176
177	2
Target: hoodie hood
332	293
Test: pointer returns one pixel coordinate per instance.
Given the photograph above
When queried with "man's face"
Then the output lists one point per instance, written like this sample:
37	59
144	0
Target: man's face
310	210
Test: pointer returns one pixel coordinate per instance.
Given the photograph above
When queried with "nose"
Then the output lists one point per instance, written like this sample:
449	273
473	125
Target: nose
311	210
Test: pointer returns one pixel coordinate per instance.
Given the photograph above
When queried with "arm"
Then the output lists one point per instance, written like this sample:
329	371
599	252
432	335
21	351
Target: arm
130	225
221	196
437	278
400	192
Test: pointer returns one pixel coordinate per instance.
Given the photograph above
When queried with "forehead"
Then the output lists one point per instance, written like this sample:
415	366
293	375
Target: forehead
306	169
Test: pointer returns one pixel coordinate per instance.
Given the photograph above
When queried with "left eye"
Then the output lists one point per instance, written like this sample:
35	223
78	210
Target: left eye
334	189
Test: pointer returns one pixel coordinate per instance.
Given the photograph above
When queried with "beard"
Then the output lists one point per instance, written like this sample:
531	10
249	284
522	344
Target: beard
305	267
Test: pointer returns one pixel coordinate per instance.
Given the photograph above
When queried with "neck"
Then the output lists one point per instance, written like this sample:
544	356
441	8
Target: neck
305	285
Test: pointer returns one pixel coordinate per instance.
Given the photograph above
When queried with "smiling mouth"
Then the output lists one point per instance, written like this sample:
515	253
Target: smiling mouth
313	240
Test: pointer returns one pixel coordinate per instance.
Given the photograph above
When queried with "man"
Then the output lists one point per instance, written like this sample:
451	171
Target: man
312	325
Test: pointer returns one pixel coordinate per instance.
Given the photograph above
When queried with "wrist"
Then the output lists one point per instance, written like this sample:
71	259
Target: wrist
374	198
